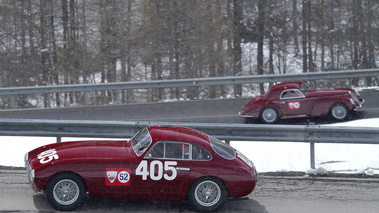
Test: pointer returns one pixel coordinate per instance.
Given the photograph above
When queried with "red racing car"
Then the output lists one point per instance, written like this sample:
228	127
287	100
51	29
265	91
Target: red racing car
159	163
297	99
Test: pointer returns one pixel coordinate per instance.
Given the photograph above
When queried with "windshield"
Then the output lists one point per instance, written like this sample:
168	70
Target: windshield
141	141
305	87
223	149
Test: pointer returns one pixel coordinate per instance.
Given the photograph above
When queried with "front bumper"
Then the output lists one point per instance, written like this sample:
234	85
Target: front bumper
241	113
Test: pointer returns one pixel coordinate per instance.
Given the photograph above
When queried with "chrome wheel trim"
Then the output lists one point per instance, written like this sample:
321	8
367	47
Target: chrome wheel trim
66	192
339	112
207	193
269	115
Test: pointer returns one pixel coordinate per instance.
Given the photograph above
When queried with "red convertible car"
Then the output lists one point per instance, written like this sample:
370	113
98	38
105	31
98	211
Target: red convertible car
159	163
297	99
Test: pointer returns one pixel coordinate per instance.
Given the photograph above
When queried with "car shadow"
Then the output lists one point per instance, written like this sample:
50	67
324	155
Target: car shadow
96	204
316	120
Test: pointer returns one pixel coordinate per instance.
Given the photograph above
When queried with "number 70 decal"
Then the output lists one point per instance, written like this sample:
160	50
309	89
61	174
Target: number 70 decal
143	170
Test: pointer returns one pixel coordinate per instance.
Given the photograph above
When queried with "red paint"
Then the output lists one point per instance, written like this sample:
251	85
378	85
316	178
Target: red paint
101	162
302	102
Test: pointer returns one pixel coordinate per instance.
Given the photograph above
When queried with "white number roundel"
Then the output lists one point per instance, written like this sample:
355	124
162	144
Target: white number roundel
123	177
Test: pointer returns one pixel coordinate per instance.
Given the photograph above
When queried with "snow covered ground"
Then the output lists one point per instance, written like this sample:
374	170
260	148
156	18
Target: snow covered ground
267	156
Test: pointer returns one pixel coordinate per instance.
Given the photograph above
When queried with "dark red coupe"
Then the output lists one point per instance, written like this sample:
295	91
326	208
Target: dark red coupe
159	163
297	99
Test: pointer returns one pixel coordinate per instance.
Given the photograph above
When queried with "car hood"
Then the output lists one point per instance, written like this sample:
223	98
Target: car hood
326	92
82	151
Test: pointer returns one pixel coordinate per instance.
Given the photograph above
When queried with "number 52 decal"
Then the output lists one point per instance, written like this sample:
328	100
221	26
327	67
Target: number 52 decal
169	173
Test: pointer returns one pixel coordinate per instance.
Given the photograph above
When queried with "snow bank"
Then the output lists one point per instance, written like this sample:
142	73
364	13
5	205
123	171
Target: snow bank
267	156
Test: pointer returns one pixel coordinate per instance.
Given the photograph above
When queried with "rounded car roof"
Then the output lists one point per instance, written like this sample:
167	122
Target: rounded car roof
287	85
275	90
177	133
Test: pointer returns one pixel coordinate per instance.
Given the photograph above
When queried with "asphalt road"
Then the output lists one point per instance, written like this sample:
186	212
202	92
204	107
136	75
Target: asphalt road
200	111
282	194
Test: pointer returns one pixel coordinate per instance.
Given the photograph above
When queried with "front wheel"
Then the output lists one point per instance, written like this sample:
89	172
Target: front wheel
207	194
269	115
339	111
65	191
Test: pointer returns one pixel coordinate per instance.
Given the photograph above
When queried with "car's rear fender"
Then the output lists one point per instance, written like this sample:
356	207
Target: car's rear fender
192	181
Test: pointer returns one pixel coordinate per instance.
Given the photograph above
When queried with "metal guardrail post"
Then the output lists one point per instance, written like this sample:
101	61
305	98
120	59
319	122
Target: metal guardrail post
312	155
123	98
311	133
160	94
197	93
13	102
86	98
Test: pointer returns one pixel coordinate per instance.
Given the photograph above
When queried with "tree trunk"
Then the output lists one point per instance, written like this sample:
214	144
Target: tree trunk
237	40
260	37
304	35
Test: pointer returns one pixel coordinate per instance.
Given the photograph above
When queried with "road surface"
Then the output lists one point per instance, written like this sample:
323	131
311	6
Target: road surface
200	111
282	194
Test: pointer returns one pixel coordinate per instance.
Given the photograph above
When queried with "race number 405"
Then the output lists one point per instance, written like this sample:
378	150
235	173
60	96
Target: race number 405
47	156
155	170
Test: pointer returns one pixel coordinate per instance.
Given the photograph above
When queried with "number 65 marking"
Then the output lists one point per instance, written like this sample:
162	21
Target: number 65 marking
143	170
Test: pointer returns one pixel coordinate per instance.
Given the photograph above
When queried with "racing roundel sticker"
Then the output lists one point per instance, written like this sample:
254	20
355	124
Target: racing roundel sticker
117	177
293	105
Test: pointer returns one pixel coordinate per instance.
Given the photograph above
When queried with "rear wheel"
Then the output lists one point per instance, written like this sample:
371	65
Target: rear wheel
65	191
207	194
339	111
269	115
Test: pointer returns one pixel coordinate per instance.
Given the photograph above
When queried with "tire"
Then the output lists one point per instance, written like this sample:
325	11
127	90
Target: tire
65	191
207	194
269	115
339	111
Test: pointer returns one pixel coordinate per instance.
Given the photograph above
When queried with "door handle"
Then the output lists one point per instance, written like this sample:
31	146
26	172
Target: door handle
182	169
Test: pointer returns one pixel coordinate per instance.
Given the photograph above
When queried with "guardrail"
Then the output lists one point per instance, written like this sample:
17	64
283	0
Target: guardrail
229	132
194	82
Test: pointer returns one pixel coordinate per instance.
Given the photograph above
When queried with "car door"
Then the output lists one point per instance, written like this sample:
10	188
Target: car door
293	103
162	171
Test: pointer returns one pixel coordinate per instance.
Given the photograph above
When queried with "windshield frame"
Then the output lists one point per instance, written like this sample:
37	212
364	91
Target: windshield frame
141	141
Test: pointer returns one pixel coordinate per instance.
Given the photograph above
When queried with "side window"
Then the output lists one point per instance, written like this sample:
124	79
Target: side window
199	153
157	151
174	150
292	94
178	150
170	150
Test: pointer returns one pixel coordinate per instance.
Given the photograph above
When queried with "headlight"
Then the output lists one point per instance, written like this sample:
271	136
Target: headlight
26	158
31	173
352	101
31	177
